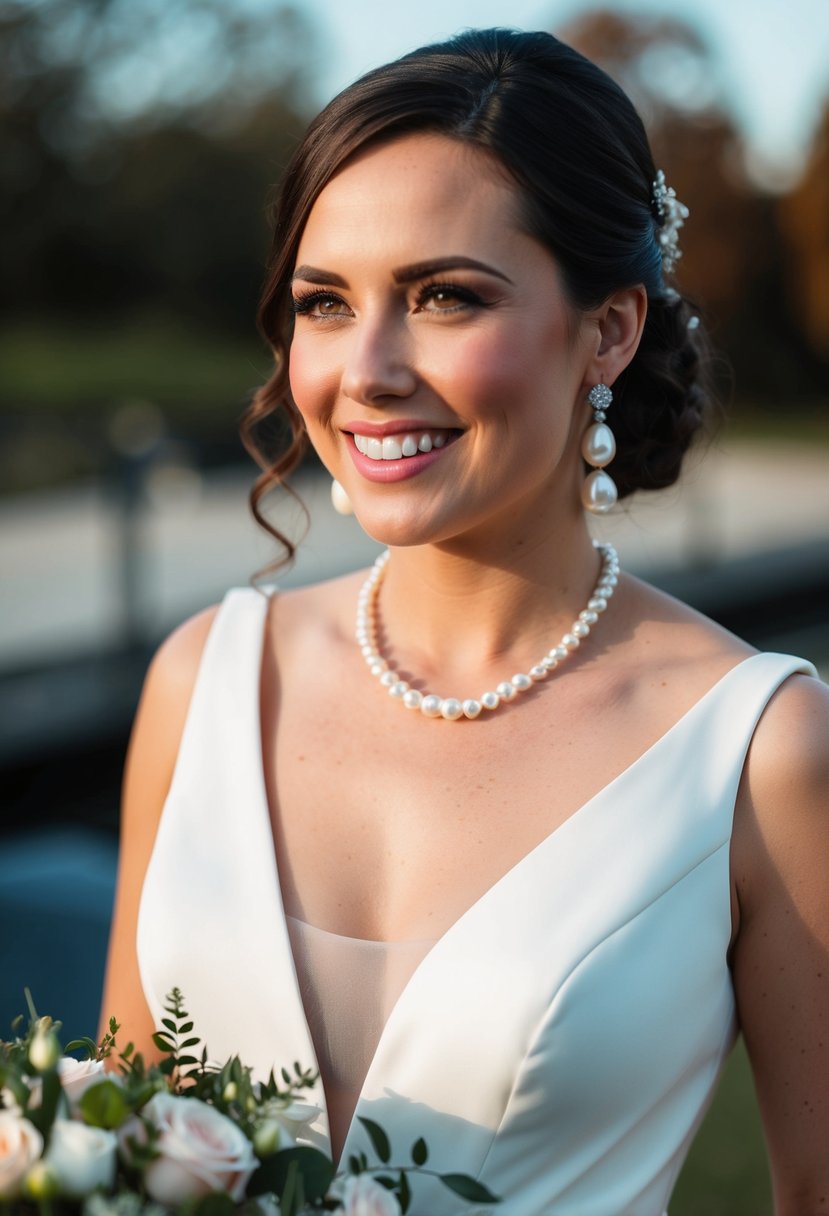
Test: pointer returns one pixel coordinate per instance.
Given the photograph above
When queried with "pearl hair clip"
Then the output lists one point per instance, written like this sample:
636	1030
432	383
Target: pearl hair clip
673	215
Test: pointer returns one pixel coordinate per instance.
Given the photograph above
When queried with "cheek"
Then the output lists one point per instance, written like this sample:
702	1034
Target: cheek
493	373
313	384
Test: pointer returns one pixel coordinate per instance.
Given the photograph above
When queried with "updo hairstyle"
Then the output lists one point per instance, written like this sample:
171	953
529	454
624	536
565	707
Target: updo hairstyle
577	151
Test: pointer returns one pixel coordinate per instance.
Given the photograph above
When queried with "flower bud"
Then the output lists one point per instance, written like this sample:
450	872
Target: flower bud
230	1092
41	1181
266	1138
44	1049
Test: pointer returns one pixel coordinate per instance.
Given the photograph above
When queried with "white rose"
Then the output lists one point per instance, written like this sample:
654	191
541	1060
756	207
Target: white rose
76	1076
362	1196
20	1146
81	1157
201	1150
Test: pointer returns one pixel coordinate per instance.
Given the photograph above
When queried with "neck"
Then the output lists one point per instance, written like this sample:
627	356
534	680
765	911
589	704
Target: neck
446	610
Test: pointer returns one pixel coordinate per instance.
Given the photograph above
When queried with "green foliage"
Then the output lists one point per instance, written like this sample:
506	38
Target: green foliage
287	1168
104	1105
378	1137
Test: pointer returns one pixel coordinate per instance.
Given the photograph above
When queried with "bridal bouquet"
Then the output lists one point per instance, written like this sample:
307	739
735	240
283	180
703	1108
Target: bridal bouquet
181	1136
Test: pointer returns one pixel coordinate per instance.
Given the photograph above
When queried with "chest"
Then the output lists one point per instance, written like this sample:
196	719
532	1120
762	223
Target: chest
388	825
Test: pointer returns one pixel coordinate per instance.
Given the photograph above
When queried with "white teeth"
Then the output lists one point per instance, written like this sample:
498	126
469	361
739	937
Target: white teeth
392	447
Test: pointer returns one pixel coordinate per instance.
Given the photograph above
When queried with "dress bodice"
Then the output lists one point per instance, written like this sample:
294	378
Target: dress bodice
561	1041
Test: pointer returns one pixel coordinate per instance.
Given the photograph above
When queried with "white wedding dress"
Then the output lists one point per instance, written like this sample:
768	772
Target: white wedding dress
563	1038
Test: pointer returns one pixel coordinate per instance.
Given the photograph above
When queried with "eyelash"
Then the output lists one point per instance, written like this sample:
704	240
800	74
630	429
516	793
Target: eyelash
304	302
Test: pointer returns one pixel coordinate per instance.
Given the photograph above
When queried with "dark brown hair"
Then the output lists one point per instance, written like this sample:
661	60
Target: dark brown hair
577	151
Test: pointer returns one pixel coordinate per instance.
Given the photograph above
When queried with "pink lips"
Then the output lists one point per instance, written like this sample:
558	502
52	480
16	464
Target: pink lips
394	470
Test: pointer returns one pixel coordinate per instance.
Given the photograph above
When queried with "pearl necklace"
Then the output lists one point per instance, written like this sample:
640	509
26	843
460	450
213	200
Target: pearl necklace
432	706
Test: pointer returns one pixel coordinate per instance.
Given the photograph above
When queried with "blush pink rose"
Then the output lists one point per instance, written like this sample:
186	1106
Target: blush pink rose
201	1150
20	1147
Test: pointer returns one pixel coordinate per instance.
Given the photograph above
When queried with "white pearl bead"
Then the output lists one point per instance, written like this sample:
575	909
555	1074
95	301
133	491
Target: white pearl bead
449	708
598	492
598	446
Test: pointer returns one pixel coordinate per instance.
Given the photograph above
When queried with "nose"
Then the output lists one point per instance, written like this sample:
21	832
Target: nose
378	362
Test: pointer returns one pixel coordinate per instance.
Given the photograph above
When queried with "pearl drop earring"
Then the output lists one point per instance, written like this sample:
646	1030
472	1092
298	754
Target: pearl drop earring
599	493
340	500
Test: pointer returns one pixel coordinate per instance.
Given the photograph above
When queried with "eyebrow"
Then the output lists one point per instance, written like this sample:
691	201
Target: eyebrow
405	274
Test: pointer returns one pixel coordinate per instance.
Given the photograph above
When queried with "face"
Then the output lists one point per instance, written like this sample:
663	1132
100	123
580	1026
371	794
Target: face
437	364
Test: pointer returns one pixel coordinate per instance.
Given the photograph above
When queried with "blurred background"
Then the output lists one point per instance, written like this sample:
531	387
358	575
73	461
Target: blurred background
140	139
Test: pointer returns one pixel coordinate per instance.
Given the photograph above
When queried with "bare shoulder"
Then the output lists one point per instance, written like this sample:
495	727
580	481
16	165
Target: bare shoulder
788	762
319	613
670	653
172	673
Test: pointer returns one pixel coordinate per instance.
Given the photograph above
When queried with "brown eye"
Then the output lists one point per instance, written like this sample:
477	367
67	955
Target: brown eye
319	304
446	297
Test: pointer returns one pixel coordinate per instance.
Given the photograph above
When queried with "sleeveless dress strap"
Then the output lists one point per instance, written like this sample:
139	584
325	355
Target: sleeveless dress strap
223	717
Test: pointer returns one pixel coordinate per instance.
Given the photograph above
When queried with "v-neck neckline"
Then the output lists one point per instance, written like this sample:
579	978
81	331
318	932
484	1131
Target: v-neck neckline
562	830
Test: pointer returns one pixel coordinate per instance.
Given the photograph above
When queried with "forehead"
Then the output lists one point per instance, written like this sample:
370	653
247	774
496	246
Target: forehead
416	189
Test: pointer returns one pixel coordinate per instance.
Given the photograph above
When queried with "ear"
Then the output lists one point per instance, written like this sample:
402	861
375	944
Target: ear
616	331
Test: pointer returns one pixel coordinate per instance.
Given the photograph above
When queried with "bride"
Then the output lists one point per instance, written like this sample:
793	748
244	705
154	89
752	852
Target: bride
513	865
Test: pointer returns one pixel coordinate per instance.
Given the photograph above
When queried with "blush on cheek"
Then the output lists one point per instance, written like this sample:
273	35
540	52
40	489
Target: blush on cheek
313	387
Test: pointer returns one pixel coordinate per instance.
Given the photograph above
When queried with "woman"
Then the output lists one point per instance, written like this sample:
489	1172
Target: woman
526	932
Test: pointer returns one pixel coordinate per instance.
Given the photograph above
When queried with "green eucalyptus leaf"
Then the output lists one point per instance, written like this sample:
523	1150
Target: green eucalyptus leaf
87	1045
420	1152
468	1188
378	1138
104	1105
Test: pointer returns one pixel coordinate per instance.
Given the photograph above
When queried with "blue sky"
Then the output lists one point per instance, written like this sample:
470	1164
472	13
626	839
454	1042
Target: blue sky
773	55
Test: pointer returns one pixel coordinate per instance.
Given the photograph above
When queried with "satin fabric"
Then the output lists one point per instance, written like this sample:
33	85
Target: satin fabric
562	1040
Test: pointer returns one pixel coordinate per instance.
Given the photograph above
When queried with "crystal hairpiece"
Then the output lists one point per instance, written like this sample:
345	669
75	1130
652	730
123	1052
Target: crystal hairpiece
673	215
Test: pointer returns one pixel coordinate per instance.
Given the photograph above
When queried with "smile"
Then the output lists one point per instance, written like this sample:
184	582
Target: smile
398	447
